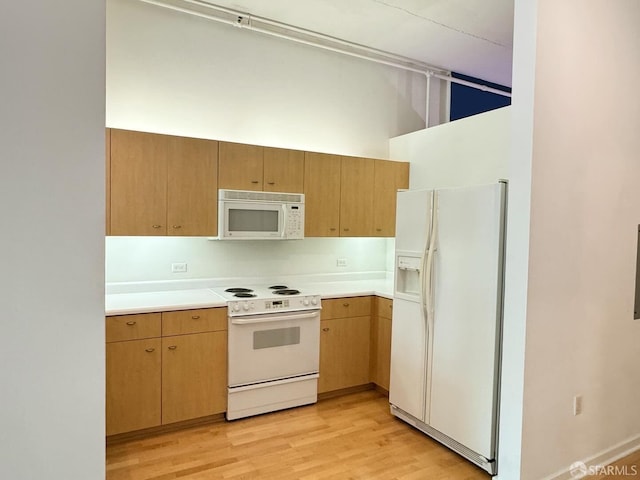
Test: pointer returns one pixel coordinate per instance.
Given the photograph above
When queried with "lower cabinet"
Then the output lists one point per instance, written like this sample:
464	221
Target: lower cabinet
381	342
344	343
165	379
133	386
194	369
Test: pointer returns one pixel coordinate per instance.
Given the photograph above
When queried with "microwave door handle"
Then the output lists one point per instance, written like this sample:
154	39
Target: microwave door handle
284	221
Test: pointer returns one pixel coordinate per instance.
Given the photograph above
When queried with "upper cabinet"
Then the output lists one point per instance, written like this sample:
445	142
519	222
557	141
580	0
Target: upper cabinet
283	170
241	166
168	185
356	197
389	177
322	194
252	167
162	184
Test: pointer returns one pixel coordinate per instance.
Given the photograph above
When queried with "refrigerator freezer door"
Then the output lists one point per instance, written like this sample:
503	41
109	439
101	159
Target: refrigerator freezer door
408	358
413	220
466	325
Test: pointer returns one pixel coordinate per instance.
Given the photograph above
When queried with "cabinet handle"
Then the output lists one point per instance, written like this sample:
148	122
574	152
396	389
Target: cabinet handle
156	226
378	229
195	317
325	329
345	304
150	350
131	323
270	183
177	226
345	229
254	181
332	229
172	347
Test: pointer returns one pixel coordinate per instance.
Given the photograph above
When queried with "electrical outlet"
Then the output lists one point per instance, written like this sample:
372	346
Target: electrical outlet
178	267
342	262
577	405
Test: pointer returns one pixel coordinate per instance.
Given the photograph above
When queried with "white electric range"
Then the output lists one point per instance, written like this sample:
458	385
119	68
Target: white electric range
273	348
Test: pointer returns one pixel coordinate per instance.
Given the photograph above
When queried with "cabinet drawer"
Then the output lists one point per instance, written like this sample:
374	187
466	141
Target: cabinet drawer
132	327
384	307
346	307
194	321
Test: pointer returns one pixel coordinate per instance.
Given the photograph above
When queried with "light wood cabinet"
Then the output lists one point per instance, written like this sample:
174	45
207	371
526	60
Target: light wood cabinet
162	184
241	166
344	344
132	327
389	177
156	381
183	322
252	167
133	385
381	342
356	197
283	170
193	376
322	194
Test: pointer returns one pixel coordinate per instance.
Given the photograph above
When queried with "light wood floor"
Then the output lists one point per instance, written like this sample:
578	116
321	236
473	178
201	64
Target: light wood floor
350	437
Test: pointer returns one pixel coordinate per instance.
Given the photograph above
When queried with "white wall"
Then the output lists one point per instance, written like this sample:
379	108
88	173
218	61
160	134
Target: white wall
52	209
470	151
517	245
131	259
585	208
170	72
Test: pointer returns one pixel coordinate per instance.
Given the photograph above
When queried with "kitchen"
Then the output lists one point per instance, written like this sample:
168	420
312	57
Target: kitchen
135	257
609	436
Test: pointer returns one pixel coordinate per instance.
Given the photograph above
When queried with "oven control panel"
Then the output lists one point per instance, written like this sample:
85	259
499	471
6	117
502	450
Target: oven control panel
256	306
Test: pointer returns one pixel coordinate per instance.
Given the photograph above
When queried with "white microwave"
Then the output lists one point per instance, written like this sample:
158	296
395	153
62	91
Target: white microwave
249	215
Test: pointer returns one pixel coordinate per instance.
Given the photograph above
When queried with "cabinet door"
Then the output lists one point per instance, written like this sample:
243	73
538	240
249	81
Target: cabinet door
192	189
194	376
240	166
283	170
139	182
344	353
356	197
388	178
322	194
133	385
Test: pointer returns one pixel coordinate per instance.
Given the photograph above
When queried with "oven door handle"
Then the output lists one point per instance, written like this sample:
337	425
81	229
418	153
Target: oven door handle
249	319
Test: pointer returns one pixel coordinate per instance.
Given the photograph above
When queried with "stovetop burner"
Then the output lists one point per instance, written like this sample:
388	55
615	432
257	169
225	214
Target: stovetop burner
278	287
287	291
238	290
245	294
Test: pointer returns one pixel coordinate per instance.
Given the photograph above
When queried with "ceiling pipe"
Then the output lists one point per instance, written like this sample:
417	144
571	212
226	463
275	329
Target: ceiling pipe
250	22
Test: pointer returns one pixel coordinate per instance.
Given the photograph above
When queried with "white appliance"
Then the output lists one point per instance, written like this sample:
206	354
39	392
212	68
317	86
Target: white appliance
273	349
447	316
253	215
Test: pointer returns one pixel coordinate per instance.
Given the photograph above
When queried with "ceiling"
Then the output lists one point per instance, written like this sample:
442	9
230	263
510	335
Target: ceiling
473	37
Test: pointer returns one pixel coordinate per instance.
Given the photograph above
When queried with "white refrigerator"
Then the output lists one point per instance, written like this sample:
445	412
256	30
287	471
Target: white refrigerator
447	316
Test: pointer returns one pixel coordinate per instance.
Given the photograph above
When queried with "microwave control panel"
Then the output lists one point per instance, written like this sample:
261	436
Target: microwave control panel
295	221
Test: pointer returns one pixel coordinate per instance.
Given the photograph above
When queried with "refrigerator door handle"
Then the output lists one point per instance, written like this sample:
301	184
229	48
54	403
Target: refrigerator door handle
425	277
429	271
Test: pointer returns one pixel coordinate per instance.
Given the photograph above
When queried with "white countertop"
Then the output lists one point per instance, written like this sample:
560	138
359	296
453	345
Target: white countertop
164	299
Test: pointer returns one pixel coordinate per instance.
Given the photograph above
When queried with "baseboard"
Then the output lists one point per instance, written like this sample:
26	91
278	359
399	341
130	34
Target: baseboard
172	427
345	391
606	457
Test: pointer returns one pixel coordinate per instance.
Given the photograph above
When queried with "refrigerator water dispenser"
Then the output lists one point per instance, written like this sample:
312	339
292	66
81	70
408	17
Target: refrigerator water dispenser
408	275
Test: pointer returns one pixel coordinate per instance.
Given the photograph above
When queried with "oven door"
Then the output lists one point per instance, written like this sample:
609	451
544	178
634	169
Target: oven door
251	220
273	346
